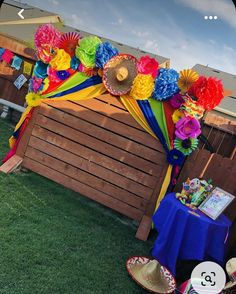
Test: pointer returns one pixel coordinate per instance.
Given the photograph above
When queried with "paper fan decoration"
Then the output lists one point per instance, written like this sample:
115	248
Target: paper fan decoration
69	41
186	78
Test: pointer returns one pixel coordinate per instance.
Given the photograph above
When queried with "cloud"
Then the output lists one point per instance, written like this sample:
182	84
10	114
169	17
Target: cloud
118	22
223	9
54	2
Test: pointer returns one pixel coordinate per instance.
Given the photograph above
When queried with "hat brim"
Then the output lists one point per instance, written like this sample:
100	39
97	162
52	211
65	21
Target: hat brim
110	81
230	285
157	289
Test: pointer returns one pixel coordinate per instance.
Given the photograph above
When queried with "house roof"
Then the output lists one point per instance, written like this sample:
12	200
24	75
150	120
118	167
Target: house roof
228	104
25	32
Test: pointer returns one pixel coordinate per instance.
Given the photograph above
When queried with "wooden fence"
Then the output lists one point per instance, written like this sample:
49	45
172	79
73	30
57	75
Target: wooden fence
96	148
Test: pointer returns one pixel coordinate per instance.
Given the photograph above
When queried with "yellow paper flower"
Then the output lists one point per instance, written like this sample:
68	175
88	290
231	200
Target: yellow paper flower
143	87
186	78
177	115
61	61
33	99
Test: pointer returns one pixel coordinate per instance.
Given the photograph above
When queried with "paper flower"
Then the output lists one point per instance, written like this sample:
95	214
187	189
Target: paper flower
186	78
74	63
147	65
47	36
86	50
208	91
61	61
187	127
186	146
176	100
62	74
191	108
52	75
88	71
45	85
105	52
35	84
40	69
142	87
175	157
165	84
177	115
33	99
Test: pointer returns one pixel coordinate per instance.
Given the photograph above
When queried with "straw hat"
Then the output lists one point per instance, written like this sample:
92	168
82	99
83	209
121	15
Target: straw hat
231	270
150	275
119	73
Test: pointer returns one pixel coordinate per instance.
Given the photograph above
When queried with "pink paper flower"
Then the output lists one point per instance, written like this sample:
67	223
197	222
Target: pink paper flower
148	66
187	127
176	101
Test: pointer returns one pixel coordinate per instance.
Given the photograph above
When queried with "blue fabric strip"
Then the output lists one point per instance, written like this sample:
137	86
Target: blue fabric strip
89	82
150	117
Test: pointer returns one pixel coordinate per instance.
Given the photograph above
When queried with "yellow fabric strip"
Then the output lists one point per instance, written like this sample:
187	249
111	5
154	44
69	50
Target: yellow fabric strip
132	106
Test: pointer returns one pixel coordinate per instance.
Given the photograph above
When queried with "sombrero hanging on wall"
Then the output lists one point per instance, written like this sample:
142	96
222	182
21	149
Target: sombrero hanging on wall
150	275
230	287
119	73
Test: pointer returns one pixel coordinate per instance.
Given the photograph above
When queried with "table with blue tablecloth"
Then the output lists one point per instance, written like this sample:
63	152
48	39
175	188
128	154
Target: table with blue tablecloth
182	235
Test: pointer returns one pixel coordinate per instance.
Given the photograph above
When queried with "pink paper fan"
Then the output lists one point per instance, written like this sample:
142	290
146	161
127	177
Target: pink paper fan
69	41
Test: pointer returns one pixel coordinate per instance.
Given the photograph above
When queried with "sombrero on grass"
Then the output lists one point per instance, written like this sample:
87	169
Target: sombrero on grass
150	275
230	287
119	73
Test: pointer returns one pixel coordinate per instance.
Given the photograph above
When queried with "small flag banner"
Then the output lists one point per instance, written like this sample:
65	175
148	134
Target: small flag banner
19	82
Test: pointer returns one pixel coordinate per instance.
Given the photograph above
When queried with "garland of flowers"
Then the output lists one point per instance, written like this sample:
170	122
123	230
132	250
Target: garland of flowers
186	93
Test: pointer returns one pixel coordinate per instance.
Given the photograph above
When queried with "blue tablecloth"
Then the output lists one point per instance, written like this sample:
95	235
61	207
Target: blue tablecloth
184	236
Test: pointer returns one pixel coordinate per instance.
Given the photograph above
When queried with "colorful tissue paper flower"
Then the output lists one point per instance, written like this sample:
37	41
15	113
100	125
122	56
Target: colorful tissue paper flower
45	85
104	53
187	127
175	157
165	84
208	92
86	50
62	74
147	65
7	56
186	78
74	63
142	87
40	69
186	146
177	115
35	84
47	36
61	61
176	100
52	75
33	99
88	71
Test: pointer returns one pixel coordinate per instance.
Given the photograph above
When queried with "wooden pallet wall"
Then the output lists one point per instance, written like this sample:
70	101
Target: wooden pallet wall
96	148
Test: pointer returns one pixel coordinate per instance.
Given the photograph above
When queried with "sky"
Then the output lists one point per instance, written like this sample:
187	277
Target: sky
176	29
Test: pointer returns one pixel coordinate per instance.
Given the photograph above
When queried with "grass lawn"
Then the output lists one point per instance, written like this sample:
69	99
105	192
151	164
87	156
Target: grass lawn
54	241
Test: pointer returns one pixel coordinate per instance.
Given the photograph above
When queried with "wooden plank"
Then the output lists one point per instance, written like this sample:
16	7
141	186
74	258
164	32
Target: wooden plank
103	134
92	168
99	118
112	100
220	122
98	145
13	163
91	180
93	156
85	190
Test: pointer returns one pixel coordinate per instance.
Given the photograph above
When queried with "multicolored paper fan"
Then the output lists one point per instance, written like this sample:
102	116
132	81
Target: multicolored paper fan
69	41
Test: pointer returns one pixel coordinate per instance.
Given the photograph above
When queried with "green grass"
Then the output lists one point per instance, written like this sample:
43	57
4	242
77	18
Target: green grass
54	241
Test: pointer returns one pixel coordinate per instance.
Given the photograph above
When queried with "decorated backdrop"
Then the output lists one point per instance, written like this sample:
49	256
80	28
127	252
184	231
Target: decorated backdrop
167	104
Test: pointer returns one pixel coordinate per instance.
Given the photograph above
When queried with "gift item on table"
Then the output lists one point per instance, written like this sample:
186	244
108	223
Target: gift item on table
194	192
